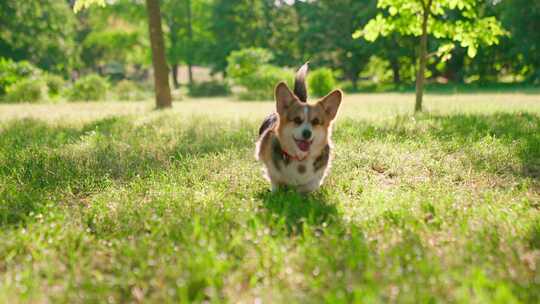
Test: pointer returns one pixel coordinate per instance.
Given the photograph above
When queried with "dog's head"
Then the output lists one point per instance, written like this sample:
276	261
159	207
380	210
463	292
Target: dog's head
303	127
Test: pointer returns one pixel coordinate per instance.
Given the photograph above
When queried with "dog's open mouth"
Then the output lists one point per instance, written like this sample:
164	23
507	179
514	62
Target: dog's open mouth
303	145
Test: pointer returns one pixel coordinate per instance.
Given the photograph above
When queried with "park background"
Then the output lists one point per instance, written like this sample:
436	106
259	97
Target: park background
106	50
110	192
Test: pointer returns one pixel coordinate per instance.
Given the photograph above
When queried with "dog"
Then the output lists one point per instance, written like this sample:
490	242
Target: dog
294	142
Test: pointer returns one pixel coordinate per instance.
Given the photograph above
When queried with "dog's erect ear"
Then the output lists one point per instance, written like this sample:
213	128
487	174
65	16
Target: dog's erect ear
331	102
284	98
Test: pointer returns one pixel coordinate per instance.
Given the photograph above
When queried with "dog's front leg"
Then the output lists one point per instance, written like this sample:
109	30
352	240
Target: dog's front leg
309	187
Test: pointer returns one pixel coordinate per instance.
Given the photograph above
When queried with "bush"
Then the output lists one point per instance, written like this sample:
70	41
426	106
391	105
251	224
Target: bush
264	81
249	69
128	90
88	88
209	89
379	70
12	72
54	84
321	81
26	90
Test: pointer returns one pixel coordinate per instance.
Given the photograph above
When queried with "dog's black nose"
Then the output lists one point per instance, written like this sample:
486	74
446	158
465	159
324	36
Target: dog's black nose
306	134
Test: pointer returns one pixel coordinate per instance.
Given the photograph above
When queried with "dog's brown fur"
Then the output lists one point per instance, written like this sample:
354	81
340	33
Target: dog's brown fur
286	163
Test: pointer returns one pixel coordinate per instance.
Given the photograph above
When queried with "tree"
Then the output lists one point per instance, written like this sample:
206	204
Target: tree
451	21
161	74
113	40
174	13
522	18
161	71
40	31
281	29
236	24
189	57
328	34
190	40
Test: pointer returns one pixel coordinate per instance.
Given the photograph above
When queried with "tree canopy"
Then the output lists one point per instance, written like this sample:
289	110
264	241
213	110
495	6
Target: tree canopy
42	32
470	41
449	21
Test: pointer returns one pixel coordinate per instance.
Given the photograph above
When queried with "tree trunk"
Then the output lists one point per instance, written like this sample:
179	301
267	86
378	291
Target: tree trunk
174	73
190	37
161	73
354	82
190	73
300	33
420	78
455	67
173	39
394	63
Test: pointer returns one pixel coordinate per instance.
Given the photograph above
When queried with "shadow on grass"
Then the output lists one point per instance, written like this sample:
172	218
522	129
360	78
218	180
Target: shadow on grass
42	163
24	133
520	131
517	131
295	209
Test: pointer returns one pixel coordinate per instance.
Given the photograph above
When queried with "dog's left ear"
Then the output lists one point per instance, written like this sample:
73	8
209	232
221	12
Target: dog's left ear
284	98
331	103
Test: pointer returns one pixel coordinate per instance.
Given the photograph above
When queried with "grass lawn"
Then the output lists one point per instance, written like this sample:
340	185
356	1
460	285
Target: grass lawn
112	202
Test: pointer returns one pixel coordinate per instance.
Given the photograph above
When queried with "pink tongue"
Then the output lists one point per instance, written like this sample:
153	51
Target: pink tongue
303	145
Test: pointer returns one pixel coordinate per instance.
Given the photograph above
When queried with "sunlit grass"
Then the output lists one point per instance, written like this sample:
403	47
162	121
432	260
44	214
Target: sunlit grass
116	202
358	106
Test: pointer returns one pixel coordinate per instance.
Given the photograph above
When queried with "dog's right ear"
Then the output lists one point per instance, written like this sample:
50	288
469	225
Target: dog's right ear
284	98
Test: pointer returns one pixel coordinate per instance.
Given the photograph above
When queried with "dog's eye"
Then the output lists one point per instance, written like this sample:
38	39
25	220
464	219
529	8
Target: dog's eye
298	120
315	121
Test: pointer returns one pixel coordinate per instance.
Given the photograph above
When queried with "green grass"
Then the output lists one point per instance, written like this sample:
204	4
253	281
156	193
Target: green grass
112	202
453	88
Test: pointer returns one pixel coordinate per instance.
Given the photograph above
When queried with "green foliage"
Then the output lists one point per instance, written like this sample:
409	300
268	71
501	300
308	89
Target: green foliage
246	62
26	90
249	69
54	83
470	30
89	88
261	84
378	70
112	45
295	31
190	38
82	4
128	90
22	81
236	25
12	72
114	40
321	81
265	82
534	235
449	21
520	50
209	89
40	31
325	35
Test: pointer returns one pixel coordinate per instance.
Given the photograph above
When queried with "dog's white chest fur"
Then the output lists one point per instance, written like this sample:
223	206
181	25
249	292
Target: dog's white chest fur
295	173
306	175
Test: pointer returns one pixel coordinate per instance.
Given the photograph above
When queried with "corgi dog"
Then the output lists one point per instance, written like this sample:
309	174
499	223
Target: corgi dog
295	143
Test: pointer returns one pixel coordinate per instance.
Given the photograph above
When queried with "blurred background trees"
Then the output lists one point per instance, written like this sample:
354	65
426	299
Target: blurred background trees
40	38
41	32
448	21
